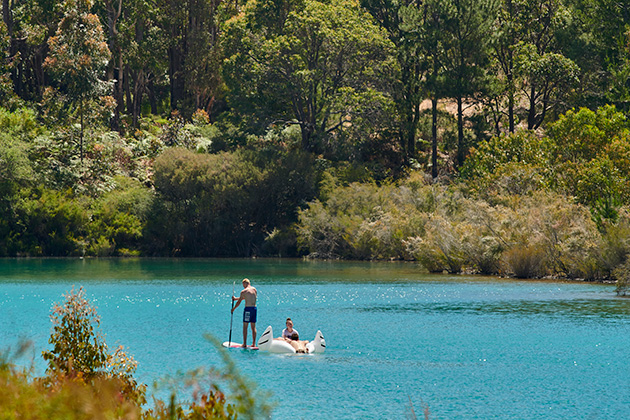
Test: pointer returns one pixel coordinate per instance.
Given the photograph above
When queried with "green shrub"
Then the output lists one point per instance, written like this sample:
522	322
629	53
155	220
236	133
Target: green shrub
225	204
581	136
16	180
21	398
80	354
100	398
206	205
507	181
523	147
522	232
441	248
615	242
20	124
468	236
361	221
118	219
54	224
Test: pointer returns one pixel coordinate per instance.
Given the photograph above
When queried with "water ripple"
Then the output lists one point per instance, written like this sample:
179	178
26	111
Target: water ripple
614	309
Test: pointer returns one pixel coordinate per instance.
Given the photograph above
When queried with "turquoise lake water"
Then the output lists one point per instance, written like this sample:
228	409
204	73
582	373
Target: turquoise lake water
466	347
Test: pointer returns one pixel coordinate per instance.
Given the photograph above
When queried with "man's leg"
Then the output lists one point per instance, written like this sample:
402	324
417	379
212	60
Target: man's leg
245	334
254	333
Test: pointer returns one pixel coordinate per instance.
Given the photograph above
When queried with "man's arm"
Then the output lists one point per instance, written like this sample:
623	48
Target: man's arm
239	299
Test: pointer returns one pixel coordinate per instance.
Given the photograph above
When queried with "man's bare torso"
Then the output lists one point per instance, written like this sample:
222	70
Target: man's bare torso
249	295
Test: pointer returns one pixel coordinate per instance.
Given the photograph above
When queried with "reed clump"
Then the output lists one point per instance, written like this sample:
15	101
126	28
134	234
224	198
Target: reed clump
537	234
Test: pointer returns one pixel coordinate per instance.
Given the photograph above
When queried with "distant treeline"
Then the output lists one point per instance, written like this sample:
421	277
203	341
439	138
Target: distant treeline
469	135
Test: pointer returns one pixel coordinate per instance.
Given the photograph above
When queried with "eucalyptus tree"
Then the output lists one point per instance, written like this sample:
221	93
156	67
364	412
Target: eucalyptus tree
321	65
143	60
607	28
113	10
422	26
546	74
504	41
192	32
29	23
403	21
468	29
79	56
6	87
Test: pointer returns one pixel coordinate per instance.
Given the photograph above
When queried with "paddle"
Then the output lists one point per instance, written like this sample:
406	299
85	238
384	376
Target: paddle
231	314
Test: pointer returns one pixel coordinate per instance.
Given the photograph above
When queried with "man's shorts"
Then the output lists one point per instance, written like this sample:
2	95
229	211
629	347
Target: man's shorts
249	314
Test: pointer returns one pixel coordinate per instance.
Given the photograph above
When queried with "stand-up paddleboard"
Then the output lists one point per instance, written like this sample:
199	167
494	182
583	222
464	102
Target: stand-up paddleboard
234	345
267	343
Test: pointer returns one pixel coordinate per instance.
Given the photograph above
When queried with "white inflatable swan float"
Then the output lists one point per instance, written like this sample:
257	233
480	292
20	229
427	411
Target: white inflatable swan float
267	343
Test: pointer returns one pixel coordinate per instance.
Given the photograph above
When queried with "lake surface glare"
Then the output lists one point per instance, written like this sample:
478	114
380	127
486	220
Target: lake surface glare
397	338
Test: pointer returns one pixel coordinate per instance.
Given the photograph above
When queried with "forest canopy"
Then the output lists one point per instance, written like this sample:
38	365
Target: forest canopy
471	135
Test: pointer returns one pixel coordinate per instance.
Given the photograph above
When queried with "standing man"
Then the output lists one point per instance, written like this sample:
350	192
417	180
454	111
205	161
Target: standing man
248	294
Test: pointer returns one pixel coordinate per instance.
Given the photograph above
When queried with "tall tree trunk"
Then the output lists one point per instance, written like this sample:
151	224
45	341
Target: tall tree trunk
511	111
176	57
82	125
129	101
460	132
531	115
307	134
138	90
411	138
434	139
410	109
7	17
37	65
113	14
119	91
152	97
510	75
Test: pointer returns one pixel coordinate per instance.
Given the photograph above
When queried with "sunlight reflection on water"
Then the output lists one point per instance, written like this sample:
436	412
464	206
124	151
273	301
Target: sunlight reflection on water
469	347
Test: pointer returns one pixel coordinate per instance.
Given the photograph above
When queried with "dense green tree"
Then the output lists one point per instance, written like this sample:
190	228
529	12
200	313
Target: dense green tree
604	43
531	55
224	204
16	177
79	56
206	204
504	41
408	92
592	155
118	218
466	53
619	93
423	29
6	87
546	74
192	31
318	65
548	79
